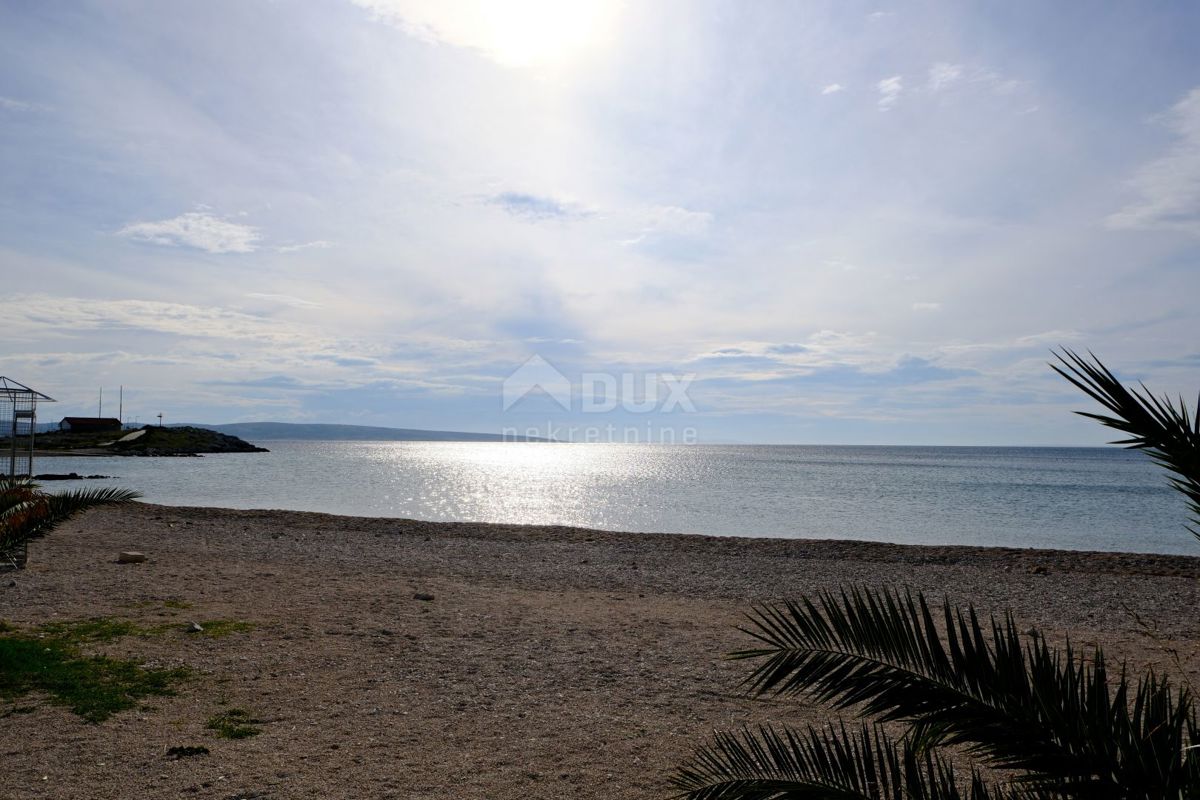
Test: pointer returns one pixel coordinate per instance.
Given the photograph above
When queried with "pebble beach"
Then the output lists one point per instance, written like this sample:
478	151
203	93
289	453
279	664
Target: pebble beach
407	659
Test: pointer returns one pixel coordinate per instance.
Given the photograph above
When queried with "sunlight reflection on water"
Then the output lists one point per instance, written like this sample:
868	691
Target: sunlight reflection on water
1105	499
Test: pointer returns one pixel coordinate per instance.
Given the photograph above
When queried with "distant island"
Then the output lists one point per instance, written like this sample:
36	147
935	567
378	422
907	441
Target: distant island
151	440
259	431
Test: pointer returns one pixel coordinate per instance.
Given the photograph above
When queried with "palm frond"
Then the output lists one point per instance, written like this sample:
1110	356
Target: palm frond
67	503
1058	718
788	764
1168	433
26	512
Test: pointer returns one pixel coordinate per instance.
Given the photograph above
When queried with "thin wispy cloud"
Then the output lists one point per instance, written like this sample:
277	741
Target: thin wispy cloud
942	75
673	219
196	229
284	299
657	222
1168	188
832	88
319	244
535	208
9	104
890	90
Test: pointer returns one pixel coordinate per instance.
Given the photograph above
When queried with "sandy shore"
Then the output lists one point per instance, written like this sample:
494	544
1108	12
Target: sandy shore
550	663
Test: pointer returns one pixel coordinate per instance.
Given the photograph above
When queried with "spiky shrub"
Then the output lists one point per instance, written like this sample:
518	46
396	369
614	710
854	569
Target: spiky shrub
1167	432
1054	722
27	512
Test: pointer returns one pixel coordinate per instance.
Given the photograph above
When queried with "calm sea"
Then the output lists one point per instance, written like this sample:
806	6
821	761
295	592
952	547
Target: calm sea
1075	498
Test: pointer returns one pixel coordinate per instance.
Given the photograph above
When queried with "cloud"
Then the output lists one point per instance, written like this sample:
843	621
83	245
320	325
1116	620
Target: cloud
319	244
943	74
197	229
673	219
65	316
668	231
1053	338
285	382
285	299
833	88
349	361
535	207
837	387
926	306
9	104
1169	186
889	91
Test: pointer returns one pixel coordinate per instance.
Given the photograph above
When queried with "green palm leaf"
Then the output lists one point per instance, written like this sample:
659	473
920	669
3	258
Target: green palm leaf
1168	433
786	764
1059	719
27	512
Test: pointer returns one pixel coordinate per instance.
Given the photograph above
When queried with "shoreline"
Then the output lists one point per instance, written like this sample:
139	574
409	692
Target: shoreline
550	662
1090	561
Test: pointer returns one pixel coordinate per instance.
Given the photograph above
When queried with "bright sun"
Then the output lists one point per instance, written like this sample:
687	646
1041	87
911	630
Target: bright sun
515	33
546	32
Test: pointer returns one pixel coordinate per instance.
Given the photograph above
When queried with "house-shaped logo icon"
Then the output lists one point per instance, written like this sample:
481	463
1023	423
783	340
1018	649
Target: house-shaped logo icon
536	373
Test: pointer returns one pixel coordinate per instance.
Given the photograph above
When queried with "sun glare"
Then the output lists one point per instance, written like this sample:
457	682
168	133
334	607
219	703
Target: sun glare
526	33
515	33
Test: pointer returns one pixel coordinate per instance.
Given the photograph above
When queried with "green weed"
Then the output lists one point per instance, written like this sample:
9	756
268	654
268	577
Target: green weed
234	723
94	687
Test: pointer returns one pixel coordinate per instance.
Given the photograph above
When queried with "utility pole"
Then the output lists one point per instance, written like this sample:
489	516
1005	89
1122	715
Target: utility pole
121	405
160	419
100	408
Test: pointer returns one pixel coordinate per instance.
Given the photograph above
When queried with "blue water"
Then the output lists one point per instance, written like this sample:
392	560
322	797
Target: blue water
1073	498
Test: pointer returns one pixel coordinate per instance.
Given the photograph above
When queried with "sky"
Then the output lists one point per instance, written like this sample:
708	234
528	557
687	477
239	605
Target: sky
800	222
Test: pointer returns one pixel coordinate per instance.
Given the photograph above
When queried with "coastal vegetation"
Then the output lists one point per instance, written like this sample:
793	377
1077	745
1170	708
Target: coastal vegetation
234	723
95	687
150	440
216	628
1166	432
935	685
106	629
1044	721
51	659
27	512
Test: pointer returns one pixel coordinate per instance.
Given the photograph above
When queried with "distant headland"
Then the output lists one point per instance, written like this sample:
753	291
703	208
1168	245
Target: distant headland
194	439
259	431
151	440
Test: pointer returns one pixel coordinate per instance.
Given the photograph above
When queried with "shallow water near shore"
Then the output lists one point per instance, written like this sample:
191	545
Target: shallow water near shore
1069	498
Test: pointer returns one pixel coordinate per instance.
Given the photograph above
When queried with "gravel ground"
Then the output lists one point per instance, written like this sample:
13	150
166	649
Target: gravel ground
549	663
